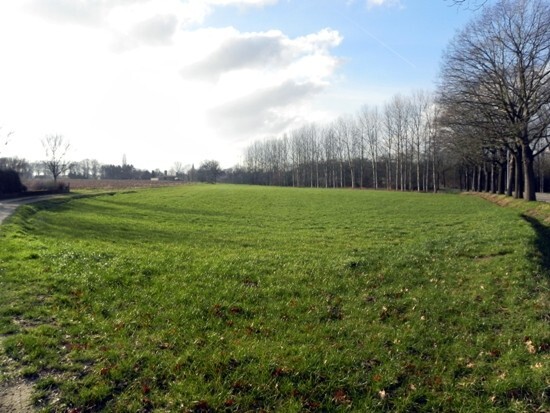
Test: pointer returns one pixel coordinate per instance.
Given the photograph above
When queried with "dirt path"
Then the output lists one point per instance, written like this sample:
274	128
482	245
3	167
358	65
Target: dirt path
8	206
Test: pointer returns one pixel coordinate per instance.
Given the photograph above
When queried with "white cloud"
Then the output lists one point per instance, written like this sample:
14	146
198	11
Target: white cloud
257	3
241	3
94	12
158	29
263	81
145	100
264	111
267	51
387	3
241	51
68	11
133	23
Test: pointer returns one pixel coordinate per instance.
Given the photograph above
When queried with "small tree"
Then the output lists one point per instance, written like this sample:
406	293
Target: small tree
177	170
209	171
56	148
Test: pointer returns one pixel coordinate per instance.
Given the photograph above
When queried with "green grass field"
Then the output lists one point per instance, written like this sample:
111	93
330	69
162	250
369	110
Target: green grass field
229	298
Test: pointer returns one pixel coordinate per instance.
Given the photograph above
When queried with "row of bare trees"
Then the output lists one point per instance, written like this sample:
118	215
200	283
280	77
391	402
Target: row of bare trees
395	147
495	95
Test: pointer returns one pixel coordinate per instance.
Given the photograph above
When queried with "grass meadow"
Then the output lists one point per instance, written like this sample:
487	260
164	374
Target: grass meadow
220	298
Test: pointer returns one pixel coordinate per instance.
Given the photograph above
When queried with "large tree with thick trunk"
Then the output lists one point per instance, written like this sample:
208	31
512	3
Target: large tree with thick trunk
498	70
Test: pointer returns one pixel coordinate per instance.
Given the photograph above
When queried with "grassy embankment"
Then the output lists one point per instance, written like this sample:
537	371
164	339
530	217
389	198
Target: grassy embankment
224	298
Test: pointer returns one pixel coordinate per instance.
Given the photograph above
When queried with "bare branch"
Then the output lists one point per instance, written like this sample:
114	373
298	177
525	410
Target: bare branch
6	139
471	4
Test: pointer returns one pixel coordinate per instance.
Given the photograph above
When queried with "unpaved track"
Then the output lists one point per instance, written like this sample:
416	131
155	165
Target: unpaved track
8	206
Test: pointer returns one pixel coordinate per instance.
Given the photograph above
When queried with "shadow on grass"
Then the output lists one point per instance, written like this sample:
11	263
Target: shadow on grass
541	242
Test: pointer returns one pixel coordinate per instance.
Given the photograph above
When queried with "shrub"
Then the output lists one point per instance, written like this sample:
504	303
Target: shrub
10	183
47	185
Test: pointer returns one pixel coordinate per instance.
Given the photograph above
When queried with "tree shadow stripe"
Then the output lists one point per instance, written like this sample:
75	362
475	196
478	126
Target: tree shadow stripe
541	242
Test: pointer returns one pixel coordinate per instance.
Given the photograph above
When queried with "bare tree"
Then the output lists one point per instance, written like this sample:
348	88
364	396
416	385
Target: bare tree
95	169
419	105
432	146
314	153
345	130
397	124
373	131
388	143
474	4
497	72
328	144
177	169
56	148
369	121
4	140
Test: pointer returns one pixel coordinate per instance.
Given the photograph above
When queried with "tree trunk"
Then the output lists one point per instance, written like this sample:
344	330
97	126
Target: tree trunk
540	173
511	169
479	178
388	175
529	174
375	177
362	173
518	176
487	186
434	174
501	178
492	178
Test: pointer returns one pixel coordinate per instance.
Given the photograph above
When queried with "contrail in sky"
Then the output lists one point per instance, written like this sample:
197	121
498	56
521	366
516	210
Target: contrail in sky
381	43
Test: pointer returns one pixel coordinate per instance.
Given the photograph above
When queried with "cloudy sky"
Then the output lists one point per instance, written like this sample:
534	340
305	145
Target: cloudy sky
165	81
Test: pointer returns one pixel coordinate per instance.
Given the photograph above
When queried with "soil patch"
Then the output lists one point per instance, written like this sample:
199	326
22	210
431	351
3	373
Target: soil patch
15	393
16	397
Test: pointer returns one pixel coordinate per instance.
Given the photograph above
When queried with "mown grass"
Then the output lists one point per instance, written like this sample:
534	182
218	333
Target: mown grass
229	298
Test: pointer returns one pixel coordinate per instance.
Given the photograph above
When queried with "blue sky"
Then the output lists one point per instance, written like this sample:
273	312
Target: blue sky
165	81
394	43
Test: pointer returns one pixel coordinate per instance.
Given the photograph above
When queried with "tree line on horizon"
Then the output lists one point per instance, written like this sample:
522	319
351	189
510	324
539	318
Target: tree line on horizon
208	170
